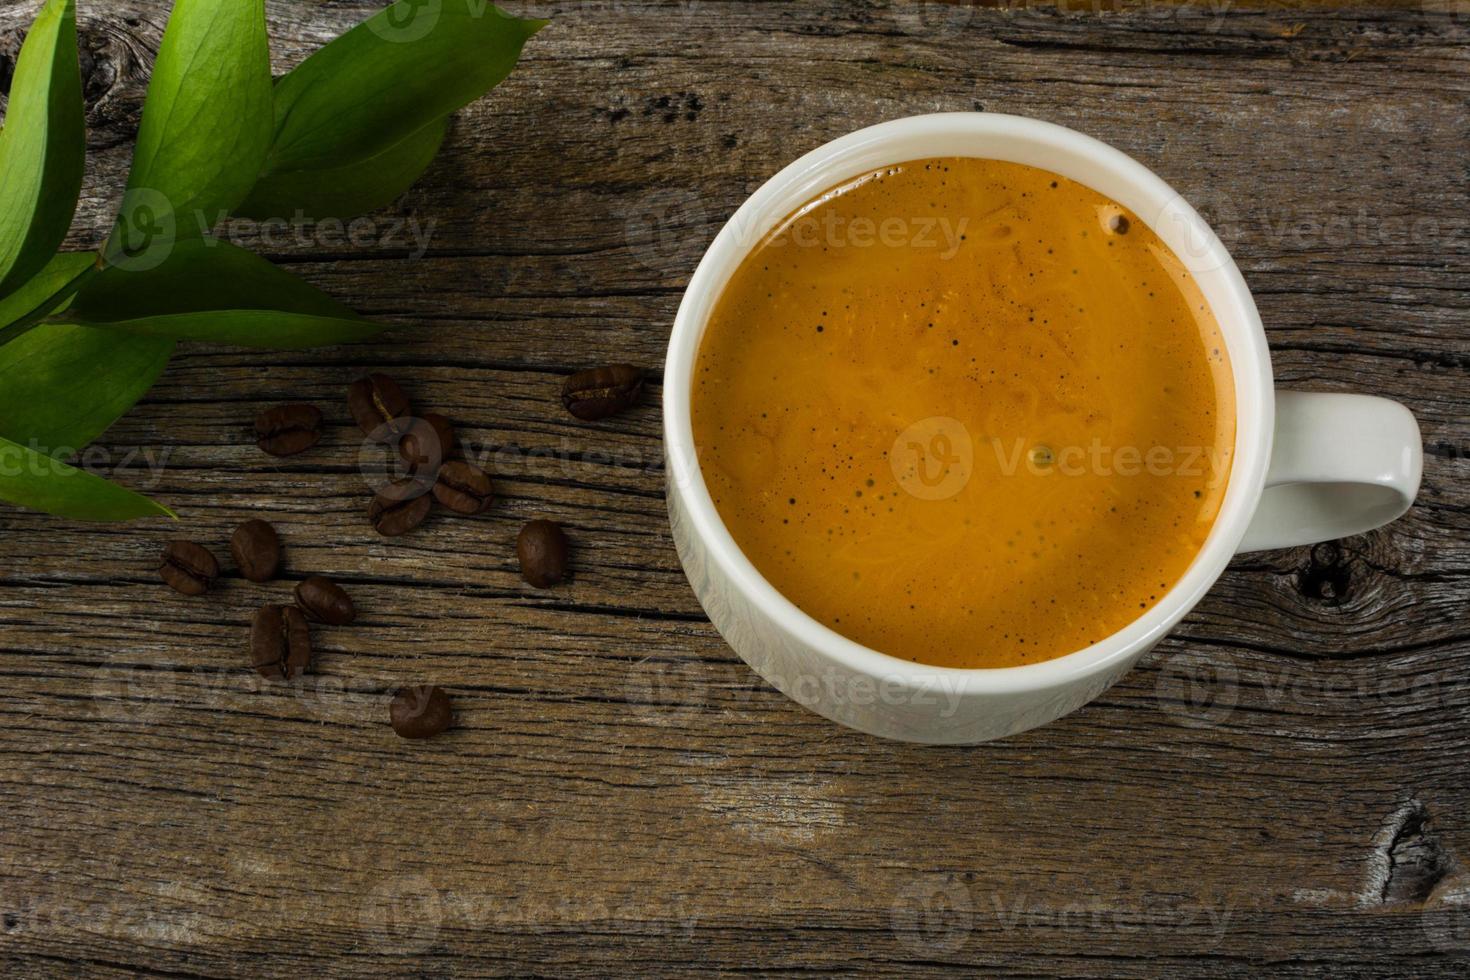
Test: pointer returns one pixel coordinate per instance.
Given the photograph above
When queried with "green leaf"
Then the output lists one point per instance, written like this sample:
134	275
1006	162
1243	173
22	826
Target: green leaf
375	87
66	384
63	268
349	190
42	146
266	329
206	128
210	290
39	482
198	275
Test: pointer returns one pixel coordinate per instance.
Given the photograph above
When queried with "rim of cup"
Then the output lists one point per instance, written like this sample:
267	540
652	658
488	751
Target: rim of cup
1070	154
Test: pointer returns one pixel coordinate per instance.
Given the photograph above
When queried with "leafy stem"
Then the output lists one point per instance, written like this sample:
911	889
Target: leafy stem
83	336
29	321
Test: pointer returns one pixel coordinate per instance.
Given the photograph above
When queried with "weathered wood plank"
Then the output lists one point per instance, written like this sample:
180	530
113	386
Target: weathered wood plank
620	793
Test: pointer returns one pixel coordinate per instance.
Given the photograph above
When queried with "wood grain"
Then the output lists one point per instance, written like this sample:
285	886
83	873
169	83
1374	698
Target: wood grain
1280	788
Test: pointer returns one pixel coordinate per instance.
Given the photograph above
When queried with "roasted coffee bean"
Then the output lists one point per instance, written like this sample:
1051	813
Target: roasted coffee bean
280	642
603	391
288	429
463	487
257	550
420	712
542	549
427	442
379	406
188	567
322	599
400	506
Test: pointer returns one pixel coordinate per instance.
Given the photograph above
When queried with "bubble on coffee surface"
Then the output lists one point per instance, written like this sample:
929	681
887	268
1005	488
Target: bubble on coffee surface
1114	219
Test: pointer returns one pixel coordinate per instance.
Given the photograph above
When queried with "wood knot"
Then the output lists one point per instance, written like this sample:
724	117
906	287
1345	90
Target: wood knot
9	50
105	60
115	69
99	71
1328	575
1411	858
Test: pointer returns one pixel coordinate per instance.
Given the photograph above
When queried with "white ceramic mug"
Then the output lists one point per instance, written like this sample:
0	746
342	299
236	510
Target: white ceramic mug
1306	467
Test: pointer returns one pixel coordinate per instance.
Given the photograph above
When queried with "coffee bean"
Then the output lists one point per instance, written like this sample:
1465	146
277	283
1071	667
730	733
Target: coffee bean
288	429
420	712
542	549
280	642
603	391
257	550
427	442
400	506
188	568
463	487
322	599
379	406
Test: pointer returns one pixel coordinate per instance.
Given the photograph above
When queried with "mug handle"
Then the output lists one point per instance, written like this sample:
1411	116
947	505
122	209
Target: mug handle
1341	465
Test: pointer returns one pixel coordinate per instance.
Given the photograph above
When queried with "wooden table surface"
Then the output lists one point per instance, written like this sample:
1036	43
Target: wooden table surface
1282	785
